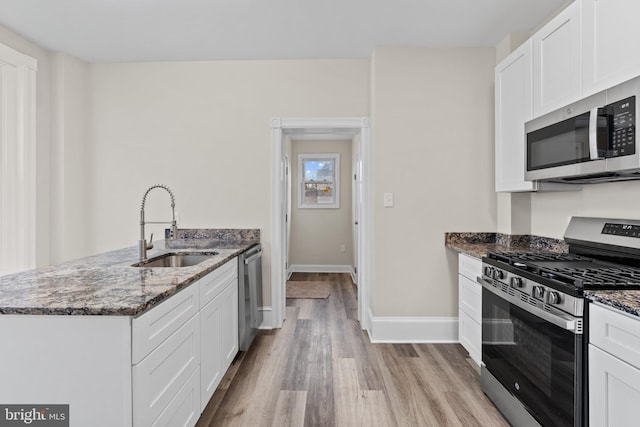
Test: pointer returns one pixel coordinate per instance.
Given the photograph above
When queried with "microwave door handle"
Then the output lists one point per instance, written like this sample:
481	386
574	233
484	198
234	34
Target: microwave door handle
593	134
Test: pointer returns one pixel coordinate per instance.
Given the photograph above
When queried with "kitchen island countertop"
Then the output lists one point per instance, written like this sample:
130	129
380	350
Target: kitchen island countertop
107	284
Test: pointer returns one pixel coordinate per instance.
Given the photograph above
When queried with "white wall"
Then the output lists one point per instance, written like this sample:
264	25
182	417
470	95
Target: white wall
316	234
432	146
202	128
550	212
70	175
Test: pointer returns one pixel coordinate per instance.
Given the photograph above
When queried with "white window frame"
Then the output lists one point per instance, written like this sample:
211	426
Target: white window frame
17	161
334	157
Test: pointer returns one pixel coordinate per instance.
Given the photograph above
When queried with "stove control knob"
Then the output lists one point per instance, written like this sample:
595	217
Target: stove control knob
517	282
538	292
498	274
488	271
554	298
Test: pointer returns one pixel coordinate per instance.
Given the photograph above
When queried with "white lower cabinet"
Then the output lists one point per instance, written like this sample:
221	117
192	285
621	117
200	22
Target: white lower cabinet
182	348
163	373
614	367
470	306
219	338
156	369
184	408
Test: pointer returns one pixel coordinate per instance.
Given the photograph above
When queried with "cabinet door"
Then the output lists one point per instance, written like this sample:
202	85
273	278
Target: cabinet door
557	66
610	34
513	109
219	321
614	390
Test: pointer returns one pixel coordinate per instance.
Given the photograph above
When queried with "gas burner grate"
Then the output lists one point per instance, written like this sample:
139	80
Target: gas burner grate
573	270
624	277
526	257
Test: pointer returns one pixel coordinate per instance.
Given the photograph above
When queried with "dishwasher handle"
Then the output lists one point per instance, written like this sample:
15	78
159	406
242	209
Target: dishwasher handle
257	254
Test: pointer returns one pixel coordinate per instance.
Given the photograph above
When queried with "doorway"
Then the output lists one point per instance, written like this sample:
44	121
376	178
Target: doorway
319	220
282	132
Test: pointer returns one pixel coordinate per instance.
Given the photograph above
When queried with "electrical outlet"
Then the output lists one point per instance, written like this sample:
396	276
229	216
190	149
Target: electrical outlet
343	247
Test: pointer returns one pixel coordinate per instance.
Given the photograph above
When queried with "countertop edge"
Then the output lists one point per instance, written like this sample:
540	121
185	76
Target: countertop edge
624	301
91	294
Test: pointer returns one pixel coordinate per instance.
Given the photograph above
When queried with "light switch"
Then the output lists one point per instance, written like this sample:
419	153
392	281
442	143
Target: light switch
388	200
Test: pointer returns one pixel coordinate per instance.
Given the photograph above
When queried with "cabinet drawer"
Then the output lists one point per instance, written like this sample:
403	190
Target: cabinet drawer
470	336
213	283
184	409
616	333
469	266
161	375
470	298
156	325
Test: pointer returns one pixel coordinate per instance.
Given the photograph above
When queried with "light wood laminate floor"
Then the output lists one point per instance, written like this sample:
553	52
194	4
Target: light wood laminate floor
320	369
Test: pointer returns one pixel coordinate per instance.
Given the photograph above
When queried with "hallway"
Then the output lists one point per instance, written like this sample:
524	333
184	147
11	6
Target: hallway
321	370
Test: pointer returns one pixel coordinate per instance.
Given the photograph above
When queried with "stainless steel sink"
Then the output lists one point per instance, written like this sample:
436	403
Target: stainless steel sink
176	259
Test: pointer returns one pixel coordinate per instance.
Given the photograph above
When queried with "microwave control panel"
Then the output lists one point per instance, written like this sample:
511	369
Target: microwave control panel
622	135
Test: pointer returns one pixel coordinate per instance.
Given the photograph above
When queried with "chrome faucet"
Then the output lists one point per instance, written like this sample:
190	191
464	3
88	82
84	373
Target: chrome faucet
144	246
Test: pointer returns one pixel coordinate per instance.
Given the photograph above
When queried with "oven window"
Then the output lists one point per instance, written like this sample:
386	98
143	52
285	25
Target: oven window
533	359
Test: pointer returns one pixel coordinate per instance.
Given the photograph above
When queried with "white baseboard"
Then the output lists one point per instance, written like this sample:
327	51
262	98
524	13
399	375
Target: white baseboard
397	329
413	329
267	318
320	268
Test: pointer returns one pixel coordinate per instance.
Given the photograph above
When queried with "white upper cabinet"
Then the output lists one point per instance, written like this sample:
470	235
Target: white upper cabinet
513	109
557	67
611	42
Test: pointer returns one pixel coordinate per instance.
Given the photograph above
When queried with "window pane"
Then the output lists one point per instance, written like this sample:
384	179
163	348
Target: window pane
319	193
319	170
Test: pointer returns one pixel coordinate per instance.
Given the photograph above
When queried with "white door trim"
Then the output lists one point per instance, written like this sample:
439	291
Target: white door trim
324	128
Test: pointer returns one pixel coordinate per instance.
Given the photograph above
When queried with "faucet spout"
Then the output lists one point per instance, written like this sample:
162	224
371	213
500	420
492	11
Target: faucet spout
143	245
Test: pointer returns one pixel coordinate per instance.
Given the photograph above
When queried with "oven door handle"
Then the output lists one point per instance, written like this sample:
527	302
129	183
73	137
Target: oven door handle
564	321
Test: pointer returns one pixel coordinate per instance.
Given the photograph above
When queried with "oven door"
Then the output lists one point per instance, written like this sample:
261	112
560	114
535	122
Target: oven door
535	360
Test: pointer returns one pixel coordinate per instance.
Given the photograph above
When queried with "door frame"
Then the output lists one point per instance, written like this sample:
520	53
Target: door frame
319	128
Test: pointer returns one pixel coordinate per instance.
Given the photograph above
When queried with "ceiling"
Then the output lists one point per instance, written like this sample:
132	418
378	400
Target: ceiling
176	30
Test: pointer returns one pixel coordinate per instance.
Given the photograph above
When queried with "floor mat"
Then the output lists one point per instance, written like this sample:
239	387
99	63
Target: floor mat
308	289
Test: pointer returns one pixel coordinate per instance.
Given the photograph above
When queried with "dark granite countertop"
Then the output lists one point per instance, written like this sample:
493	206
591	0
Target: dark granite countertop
627	301
478	244
107	284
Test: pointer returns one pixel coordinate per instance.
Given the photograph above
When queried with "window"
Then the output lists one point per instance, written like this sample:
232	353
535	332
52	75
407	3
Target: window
319	181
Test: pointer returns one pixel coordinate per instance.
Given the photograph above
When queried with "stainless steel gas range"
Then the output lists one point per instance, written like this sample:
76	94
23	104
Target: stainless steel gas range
534	319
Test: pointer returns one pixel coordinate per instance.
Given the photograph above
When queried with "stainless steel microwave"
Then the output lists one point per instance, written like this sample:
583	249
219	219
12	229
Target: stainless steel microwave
592	140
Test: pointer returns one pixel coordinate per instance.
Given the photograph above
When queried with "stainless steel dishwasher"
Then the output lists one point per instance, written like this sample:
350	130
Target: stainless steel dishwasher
249	295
